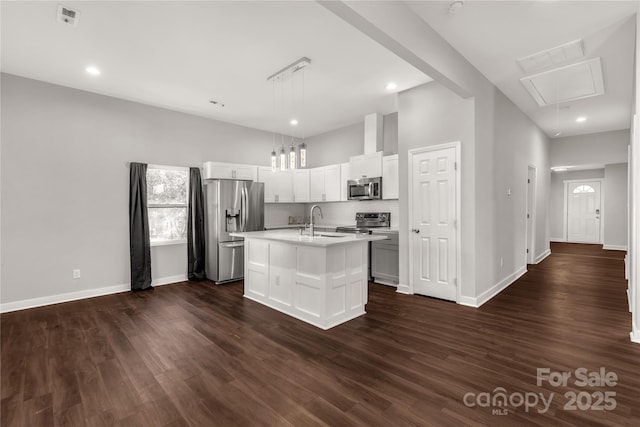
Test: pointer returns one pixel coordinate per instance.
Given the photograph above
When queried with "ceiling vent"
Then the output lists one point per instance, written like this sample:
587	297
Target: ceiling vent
569	83
68	16
554	56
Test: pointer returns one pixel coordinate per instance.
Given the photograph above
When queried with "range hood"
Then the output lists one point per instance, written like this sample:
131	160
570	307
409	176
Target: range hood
373	133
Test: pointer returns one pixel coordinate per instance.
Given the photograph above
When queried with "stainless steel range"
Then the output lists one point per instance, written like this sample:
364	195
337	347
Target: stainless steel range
366	222
383	255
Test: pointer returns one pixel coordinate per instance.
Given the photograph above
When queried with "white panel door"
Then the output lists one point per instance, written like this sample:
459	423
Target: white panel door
583	212
433	231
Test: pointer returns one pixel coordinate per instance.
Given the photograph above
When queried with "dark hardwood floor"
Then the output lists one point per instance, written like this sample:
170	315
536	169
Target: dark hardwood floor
200	355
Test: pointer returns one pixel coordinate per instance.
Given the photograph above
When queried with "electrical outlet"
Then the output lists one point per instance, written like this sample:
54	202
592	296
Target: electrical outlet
76	274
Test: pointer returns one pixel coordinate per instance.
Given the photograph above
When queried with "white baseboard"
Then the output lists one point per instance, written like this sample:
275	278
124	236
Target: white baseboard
169	280
615	247
493	291
88	293
542	256
558	239
468	301
403	289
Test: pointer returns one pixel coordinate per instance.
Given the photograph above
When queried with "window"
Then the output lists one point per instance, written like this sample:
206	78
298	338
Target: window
167	194
584	189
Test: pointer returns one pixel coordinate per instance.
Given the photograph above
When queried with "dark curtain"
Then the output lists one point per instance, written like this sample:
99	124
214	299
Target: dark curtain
139	246
195	226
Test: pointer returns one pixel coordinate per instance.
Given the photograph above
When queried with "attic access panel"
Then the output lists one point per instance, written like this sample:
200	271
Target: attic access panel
575	81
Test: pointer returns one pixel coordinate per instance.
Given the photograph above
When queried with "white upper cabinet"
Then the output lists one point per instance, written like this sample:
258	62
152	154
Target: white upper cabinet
324	184
332	183
284	186
366	166
316	185
301	185
268	178
219	170
278	185
344	177
390	179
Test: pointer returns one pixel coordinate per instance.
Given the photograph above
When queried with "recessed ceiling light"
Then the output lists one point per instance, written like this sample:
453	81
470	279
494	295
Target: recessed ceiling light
391	86
92	70
559	169
581	119
293	122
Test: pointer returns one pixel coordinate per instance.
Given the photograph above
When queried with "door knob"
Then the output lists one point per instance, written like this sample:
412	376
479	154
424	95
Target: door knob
415	230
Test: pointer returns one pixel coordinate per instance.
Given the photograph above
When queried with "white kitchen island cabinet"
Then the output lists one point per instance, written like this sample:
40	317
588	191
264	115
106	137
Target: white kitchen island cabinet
321	280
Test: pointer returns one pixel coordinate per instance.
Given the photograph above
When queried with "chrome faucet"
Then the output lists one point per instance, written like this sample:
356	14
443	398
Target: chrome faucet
311	225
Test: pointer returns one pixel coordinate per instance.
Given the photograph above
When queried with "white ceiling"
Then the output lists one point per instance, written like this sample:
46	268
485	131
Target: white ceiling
182	55
493	35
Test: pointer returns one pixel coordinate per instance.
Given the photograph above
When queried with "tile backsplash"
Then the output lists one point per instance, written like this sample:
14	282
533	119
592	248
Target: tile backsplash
344	213
334	213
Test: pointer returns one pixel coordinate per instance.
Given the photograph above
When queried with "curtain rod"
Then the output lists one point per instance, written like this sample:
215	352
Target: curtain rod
128	164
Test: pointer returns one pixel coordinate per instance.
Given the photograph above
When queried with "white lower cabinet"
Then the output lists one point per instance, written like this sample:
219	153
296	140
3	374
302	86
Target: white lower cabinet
323	286
385	261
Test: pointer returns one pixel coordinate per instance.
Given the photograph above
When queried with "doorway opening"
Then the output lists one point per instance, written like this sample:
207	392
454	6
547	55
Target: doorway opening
531	215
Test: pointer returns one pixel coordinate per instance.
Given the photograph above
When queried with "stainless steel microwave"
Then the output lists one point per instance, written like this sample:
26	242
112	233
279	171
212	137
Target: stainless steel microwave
364	189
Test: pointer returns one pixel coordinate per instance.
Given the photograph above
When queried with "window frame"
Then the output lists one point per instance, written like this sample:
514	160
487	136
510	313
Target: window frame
172	205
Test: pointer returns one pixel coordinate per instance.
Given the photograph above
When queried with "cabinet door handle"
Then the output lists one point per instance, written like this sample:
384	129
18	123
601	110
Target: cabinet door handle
415	230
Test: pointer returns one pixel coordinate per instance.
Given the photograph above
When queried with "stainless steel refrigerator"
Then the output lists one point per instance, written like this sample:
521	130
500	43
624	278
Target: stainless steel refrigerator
230	206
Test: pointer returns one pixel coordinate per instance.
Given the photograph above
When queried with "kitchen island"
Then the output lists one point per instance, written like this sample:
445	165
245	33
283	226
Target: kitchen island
319	279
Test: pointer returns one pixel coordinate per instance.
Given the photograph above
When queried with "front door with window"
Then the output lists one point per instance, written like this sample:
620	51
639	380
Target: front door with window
583	212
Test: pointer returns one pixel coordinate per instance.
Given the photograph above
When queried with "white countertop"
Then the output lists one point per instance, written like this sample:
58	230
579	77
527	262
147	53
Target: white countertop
318	226
321	238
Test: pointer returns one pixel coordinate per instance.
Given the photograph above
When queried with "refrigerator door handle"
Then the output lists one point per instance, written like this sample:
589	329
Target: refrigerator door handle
245	207
232	244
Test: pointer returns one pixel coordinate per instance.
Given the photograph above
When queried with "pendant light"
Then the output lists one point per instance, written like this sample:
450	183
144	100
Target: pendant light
303	155
274	156
292	156
293	122
303	146
283	159
290	160
558	132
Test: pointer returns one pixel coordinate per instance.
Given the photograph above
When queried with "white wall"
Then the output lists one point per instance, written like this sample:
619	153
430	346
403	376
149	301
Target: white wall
337	146
430	115
499	142
616	206
556	201
65	183
592	150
